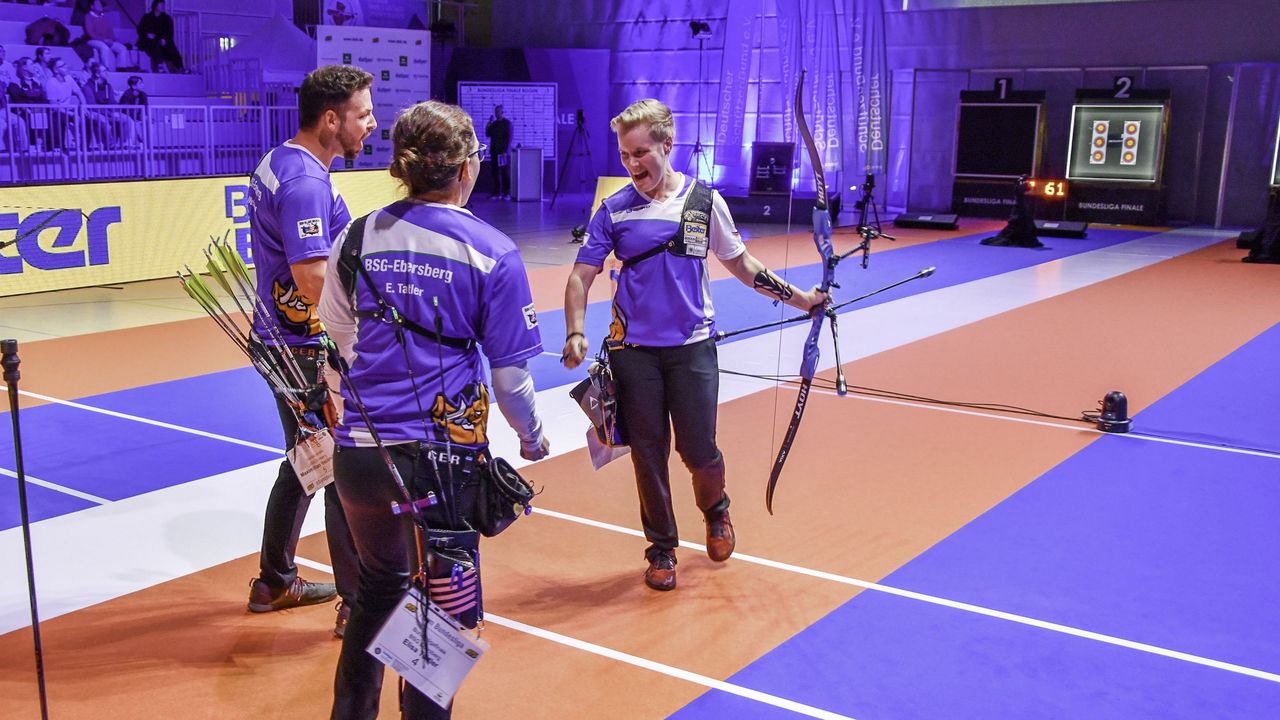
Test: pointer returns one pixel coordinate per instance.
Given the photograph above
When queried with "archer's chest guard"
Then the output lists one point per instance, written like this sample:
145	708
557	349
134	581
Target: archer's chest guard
693	233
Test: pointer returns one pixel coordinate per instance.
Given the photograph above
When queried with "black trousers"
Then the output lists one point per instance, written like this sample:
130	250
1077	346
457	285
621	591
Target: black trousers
661	388
501	173
287	508
165	54
387	562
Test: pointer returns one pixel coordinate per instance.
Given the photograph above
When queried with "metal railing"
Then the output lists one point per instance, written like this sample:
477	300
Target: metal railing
239	79
47	144
186	37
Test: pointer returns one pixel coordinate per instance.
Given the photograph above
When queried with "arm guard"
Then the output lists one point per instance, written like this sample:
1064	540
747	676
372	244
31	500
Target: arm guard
772	284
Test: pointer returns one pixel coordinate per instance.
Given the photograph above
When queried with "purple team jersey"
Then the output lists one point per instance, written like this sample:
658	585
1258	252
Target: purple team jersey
295	213
665	300
416	253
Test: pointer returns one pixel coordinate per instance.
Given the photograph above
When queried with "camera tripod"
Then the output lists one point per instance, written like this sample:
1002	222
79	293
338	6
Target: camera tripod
582	141
698	155
869	230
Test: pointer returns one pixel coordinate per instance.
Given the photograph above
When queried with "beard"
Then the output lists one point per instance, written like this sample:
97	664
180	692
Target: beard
352	145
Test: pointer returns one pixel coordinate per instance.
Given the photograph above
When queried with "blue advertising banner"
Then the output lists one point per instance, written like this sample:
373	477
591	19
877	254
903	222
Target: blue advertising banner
789	60
735	73
818	54
870	64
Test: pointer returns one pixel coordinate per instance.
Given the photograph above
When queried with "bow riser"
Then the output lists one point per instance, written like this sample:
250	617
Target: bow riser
822	240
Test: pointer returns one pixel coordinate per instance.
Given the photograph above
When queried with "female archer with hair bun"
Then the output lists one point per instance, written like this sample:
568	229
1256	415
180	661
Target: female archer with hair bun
419	387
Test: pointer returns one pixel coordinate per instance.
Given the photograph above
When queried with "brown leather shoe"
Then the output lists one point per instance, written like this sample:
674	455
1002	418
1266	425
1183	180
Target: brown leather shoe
661	574
720	538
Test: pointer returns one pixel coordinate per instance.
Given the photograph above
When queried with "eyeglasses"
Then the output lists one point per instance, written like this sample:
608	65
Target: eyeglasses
482	150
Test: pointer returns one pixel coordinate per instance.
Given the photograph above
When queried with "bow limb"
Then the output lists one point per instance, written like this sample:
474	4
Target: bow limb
822	239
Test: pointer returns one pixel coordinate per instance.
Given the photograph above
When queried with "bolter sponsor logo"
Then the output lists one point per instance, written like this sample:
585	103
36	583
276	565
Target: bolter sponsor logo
66	250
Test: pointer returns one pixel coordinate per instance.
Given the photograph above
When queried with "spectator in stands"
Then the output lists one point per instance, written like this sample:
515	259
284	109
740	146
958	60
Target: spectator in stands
7	74
28	90
40	68
14	132
155	38
134	95
98	91
65	94
97	88
101	37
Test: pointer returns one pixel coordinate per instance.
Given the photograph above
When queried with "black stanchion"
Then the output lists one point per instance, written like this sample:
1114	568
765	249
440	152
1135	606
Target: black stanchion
9	360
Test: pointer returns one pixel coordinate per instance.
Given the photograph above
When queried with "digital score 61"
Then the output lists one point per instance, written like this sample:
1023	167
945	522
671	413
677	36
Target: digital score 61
1048	189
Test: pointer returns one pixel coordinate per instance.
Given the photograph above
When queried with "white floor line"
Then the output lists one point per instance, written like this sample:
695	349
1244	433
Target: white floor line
643	663
59	488
944	602
106	551
304	562
313	564
149	421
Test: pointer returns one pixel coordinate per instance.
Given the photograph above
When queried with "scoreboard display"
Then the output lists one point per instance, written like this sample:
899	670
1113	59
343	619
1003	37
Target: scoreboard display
998	139
1117	143
531	108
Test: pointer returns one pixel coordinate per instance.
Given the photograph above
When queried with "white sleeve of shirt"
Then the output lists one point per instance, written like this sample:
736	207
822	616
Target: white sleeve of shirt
335	307
513	391
726	243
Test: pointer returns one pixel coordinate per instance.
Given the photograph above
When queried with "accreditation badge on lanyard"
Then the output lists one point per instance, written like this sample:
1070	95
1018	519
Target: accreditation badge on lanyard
312	459
450	652
695	226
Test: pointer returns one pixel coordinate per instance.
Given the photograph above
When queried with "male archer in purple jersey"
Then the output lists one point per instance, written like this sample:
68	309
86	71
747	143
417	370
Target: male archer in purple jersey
295	214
